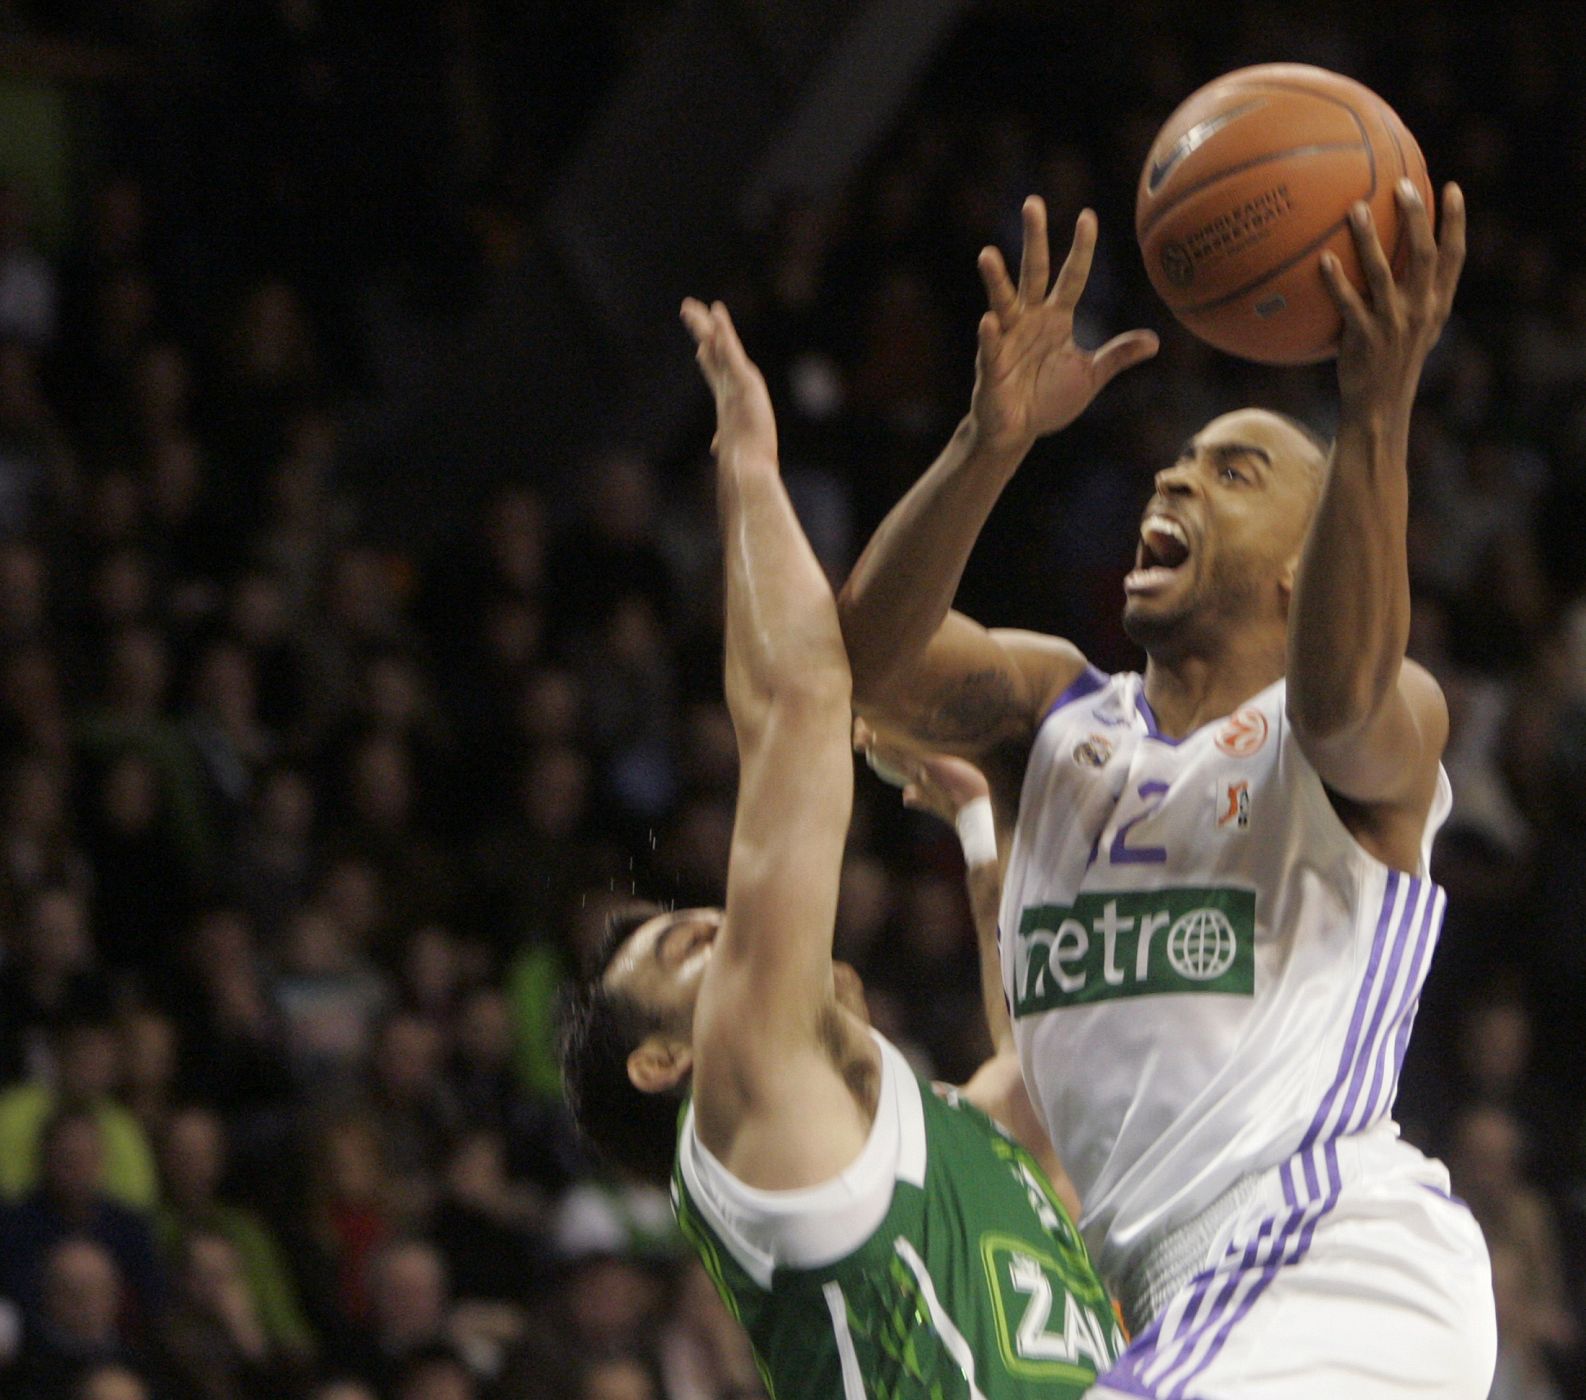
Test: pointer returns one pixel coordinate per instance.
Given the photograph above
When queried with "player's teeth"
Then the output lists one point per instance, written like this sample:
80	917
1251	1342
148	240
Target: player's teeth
1162	525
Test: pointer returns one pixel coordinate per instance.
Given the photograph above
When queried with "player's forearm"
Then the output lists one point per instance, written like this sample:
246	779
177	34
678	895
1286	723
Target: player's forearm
783	642
903	585
984	881
1349	621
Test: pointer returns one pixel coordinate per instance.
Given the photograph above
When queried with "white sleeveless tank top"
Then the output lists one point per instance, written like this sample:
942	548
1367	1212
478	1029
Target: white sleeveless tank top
1207	973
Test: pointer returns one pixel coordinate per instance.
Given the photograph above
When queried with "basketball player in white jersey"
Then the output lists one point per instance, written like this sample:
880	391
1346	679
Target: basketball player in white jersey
1217	915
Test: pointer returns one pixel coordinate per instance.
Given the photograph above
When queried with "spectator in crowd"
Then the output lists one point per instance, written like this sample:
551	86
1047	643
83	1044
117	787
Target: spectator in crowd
1523	1371
213	1342
88	1064
193	1166
1487	1164
51	972
70	1202
77	1331
621	1377
111	1382
409	1310
349	1215
435	1372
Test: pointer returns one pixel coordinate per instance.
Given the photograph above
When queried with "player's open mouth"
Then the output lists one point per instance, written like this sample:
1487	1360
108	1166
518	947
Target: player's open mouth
1162	551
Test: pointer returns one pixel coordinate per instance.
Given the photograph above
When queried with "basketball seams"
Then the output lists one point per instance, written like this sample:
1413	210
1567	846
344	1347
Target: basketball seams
1391	124
1293	88
1272	273
1323	148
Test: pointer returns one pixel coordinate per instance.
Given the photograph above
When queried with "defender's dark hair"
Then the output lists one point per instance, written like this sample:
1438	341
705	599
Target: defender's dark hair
627	1127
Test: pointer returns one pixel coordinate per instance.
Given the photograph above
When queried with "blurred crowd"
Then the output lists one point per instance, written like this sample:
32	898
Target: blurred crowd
302	831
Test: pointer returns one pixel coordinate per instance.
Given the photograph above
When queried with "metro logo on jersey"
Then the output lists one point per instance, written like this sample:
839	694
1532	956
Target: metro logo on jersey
1135	943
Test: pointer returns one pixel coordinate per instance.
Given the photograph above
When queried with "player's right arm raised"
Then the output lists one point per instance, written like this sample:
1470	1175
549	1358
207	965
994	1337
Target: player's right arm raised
766	1015
917	665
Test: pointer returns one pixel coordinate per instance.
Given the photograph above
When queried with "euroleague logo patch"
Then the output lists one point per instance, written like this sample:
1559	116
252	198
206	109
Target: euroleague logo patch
1244	733
1177	265
1093	752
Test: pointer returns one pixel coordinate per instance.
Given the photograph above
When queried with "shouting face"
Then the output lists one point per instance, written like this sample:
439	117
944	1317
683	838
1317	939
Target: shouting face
1221	534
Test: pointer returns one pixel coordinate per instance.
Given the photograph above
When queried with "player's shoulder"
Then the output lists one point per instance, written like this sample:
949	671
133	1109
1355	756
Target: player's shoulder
1108	697
1048	665
1424	695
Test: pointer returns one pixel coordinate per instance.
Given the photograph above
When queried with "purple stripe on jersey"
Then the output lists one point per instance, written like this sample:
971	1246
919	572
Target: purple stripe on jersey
1415	902
1087	682
1352	1039
1178	1353
1299	1225
1143	1350
1402	1041
1253	1249
1186	1322
1335	1185
1245	1304
1186	1334
1126	1369
1290	1241
1152	728
1371	1109
1146	1353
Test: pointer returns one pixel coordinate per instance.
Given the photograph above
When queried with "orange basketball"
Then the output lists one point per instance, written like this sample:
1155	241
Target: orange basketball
1245	187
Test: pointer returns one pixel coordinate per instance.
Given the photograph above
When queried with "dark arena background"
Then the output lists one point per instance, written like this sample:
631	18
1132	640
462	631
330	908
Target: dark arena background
359	618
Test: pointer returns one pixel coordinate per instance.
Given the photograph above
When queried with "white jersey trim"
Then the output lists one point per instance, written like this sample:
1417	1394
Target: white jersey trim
815	1226
847	1357
957	1347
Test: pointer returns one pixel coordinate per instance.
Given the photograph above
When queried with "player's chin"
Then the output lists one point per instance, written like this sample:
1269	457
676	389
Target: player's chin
1150	619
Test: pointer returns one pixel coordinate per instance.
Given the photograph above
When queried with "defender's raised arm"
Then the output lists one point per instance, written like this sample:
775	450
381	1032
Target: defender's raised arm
917	665
762	1071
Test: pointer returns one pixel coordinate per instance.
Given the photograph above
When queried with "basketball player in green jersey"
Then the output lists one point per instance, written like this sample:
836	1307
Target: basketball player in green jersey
875	1238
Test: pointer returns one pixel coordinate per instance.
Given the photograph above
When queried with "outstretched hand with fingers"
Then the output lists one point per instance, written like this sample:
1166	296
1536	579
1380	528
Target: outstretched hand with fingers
744	420
1389	331
1030	377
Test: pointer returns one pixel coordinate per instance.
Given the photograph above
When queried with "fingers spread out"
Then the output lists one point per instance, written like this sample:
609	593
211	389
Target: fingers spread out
696	316
1417	224
989	335
1076	266
1373	261
1451	251
1035	267
1123	352
727	336
720	350
1000	294
1347	299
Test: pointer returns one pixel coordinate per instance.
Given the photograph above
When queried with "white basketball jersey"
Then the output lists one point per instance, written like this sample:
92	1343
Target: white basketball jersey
1207	973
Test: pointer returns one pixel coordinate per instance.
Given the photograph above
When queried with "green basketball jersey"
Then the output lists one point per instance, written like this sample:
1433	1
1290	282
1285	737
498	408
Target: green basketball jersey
974	1285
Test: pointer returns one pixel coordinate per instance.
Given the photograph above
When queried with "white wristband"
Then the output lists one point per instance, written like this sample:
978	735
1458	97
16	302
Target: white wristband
977	832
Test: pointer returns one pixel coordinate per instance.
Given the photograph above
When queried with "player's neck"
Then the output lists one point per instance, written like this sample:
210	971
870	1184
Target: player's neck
1190	689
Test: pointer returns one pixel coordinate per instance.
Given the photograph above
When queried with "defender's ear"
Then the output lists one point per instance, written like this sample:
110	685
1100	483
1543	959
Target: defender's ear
659	1063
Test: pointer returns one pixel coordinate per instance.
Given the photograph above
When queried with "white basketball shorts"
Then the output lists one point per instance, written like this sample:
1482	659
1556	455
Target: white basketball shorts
1347	1274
